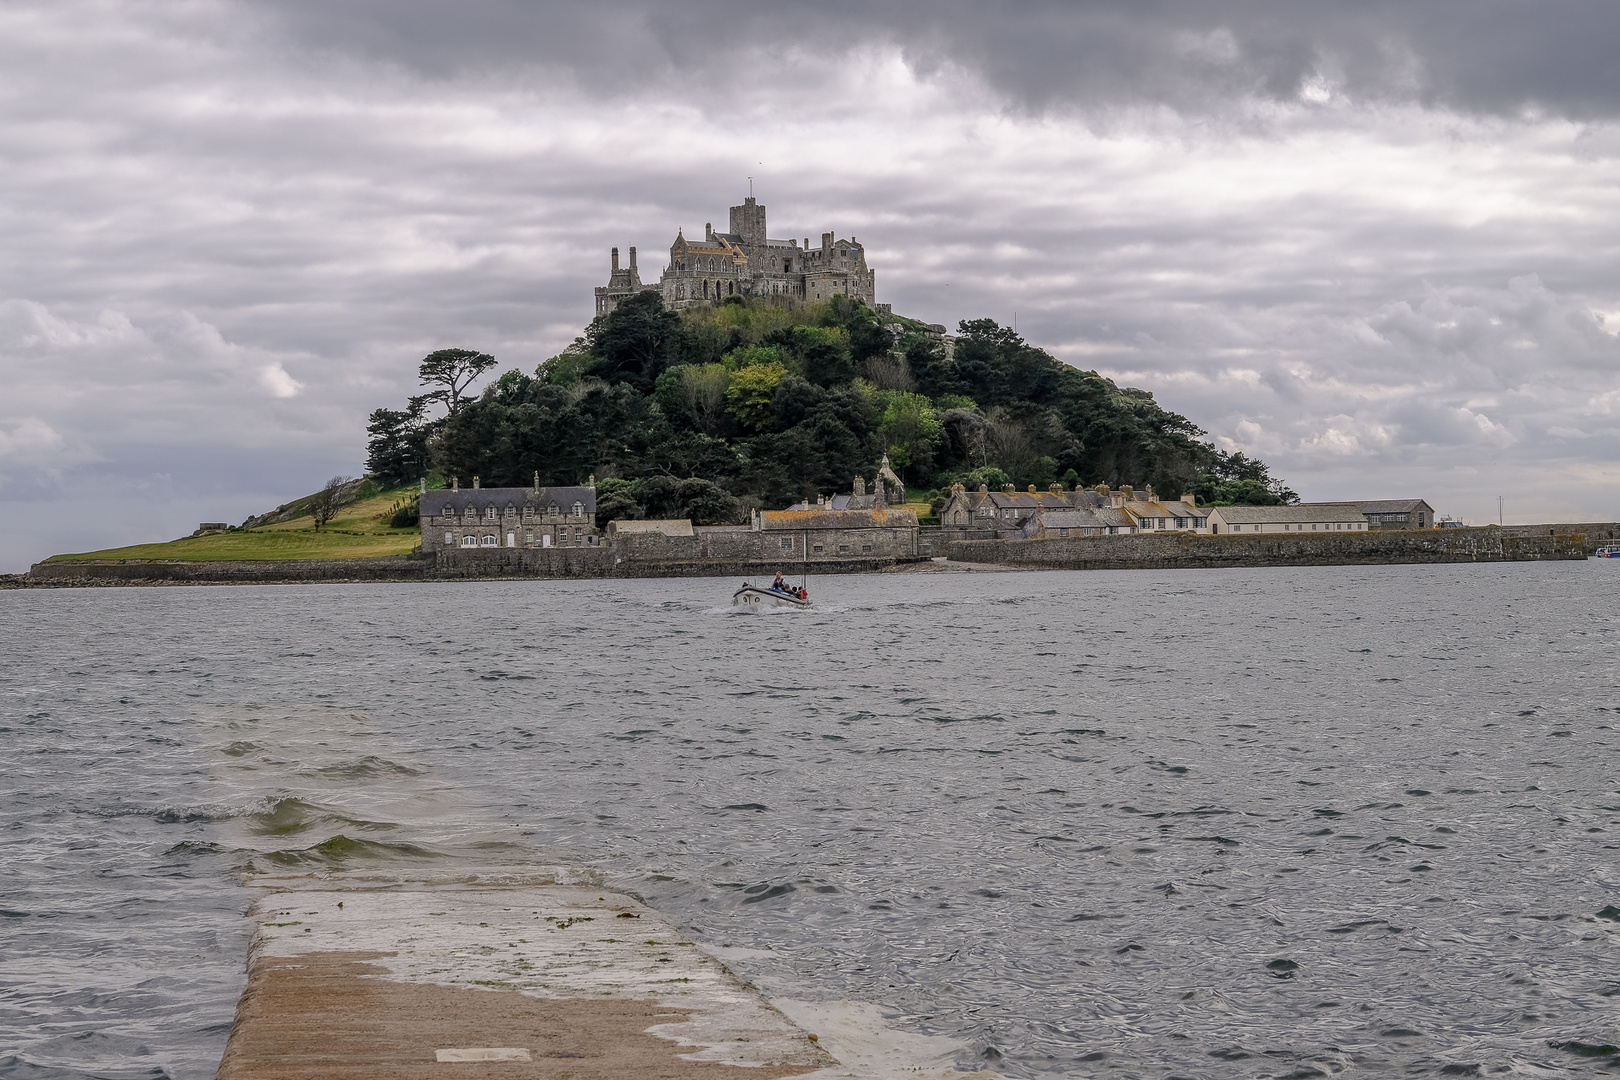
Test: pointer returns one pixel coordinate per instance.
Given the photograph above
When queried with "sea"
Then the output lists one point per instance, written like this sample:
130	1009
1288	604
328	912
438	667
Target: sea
1280	823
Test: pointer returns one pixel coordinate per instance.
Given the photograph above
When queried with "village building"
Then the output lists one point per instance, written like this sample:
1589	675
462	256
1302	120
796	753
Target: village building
1313	517
476	518
1105	511
747	262
1397	514
859	524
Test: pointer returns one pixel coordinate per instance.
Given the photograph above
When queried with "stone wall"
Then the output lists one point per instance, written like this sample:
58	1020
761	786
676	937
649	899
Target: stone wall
1596	532
145	572
1189	551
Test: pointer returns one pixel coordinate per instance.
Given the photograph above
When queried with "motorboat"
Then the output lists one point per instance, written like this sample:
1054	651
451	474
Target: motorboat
1608	551
758	596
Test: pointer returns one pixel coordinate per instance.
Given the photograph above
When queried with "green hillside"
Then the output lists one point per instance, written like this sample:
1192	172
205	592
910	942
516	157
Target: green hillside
716	408
360	530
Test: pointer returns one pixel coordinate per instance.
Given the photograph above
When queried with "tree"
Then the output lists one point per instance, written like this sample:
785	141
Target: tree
330	499
749	395
636	340
452	370
397	450
703	392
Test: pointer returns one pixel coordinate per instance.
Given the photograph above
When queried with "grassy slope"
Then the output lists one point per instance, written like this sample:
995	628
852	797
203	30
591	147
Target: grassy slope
359	531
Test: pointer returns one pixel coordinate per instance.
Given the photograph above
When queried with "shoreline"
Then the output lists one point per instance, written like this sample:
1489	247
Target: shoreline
1150	551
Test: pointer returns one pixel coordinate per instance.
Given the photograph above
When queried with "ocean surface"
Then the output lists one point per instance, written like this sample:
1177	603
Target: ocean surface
1358	822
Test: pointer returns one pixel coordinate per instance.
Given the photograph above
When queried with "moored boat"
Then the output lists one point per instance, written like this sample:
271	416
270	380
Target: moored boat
756	596
1608	551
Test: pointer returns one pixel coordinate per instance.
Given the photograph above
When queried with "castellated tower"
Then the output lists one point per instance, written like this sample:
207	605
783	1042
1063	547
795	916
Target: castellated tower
746	262
748	225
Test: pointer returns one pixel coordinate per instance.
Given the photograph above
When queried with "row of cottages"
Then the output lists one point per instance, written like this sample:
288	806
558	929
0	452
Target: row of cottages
1059	514
454	518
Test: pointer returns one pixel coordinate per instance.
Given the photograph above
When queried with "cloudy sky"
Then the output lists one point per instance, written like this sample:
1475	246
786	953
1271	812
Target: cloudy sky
1375	244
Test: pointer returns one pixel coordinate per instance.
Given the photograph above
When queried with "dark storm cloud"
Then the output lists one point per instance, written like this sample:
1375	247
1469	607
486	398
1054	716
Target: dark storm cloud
1477	55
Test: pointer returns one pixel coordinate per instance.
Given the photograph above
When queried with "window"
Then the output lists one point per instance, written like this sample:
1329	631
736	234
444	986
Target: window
843	549
510	512
489	513
551	511
449	538
785	545
866	548
1237	528
1181	523
817	549
579	509
1063	533
528	513
488	540
528	536
469	540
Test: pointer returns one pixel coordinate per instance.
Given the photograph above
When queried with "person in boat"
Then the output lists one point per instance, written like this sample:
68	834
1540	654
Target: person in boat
778	584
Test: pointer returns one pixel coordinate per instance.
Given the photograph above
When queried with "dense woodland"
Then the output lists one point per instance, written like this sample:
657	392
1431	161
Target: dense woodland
708	411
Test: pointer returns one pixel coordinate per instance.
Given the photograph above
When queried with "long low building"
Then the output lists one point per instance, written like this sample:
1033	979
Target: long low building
1306	517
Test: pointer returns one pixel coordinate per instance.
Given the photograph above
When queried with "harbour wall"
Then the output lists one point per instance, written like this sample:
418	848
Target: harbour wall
1190	551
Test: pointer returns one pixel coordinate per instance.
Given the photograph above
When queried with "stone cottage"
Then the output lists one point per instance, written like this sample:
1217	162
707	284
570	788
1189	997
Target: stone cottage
456	519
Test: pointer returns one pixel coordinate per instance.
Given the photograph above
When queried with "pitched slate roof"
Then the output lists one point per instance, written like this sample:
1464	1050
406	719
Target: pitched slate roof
435	502
1072	519
1392	506
1305	513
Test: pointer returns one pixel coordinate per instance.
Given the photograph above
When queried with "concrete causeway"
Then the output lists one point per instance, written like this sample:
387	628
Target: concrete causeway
497	975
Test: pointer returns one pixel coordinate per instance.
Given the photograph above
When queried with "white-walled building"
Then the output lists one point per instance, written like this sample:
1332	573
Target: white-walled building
1315	518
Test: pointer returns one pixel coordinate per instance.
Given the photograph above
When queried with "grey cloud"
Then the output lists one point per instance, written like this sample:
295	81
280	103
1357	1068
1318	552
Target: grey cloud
1488	55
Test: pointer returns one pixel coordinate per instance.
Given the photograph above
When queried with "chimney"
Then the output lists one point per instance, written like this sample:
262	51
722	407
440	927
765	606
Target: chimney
826	242
860	485
591	483
537	481
632	259
422	486
1189	498
615	260
475	483
455	483
1032	489
708	231
1116	499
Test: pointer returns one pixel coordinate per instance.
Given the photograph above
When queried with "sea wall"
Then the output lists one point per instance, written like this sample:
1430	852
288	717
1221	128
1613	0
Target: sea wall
154	571
1597	533
1190	551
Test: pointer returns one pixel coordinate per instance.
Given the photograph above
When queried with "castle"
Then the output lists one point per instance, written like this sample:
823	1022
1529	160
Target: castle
745	262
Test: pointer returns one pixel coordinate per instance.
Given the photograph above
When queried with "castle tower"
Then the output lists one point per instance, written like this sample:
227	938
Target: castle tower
622	284
748	225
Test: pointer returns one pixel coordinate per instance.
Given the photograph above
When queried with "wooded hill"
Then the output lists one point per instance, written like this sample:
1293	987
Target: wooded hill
705	412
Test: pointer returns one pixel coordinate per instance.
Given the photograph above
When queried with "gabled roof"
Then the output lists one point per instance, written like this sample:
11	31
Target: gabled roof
1304	512
434	502
1392	506
1072	519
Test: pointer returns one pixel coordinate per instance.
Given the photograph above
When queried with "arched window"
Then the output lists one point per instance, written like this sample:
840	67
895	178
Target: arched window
489	540
469	541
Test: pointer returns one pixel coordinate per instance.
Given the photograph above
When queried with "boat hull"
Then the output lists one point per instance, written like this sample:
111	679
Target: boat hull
752	596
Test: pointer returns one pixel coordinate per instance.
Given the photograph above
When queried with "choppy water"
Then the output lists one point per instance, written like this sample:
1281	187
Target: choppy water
1286	823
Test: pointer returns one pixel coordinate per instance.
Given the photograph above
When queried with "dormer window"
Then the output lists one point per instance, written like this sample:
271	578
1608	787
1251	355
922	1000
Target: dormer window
489	513
551	511
528	513
510	512
579	509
